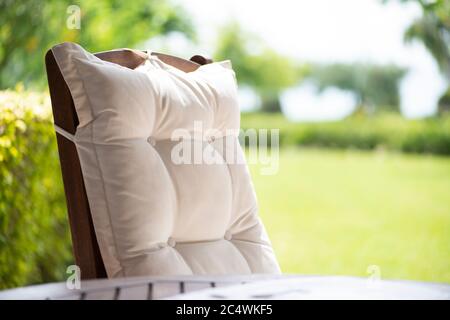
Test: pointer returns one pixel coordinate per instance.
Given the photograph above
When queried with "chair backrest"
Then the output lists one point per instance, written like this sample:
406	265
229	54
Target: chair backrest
85	245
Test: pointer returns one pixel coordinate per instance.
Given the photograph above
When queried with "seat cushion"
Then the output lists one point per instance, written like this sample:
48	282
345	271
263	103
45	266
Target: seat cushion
166	179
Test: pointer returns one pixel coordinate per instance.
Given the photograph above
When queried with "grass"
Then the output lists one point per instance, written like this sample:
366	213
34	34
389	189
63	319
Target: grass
339	212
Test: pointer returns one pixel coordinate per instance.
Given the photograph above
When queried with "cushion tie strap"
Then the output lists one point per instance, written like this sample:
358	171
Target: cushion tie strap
64	133
149	54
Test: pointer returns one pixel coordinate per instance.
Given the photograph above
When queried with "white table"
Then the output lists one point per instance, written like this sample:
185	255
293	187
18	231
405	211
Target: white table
324	288
235	287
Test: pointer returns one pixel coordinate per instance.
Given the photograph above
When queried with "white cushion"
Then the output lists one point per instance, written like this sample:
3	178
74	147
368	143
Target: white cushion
152	214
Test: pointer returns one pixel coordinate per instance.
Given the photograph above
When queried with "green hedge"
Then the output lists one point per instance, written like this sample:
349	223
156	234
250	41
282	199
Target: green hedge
34	237
388	131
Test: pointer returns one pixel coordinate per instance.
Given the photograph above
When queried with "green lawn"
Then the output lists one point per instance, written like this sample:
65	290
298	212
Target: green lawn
338	212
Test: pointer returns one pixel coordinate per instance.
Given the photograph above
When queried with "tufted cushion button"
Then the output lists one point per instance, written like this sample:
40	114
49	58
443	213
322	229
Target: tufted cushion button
227	235
151	140
171	242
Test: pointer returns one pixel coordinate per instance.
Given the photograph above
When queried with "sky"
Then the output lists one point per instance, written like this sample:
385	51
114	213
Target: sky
327	31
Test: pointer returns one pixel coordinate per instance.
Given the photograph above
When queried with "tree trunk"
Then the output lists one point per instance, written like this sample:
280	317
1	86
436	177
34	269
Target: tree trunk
271	104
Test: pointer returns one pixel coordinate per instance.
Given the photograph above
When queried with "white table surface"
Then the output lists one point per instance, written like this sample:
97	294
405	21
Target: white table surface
325	288
288	287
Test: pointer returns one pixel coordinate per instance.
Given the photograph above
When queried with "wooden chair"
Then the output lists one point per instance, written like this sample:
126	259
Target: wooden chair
85	246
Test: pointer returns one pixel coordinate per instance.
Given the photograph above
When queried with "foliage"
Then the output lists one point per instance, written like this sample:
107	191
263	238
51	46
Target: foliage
257	65
374	85
34	239
433	30
387	131
29	28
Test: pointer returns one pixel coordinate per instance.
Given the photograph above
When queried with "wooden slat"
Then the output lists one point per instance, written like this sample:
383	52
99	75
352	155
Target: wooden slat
191	286
84	241
163	290
104	294
134	293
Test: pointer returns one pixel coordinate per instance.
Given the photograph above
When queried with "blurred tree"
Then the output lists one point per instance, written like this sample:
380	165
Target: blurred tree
256	65
433	30
375	86
30	27
444	103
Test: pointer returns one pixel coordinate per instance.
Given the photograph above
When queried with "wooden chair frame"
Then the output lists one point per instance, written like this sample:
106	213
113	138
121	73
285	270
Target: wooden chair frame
85	246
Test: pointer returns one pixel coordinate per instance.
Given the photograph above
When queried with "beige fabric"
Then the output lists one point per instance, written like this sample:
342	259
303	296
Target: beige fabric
153	215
